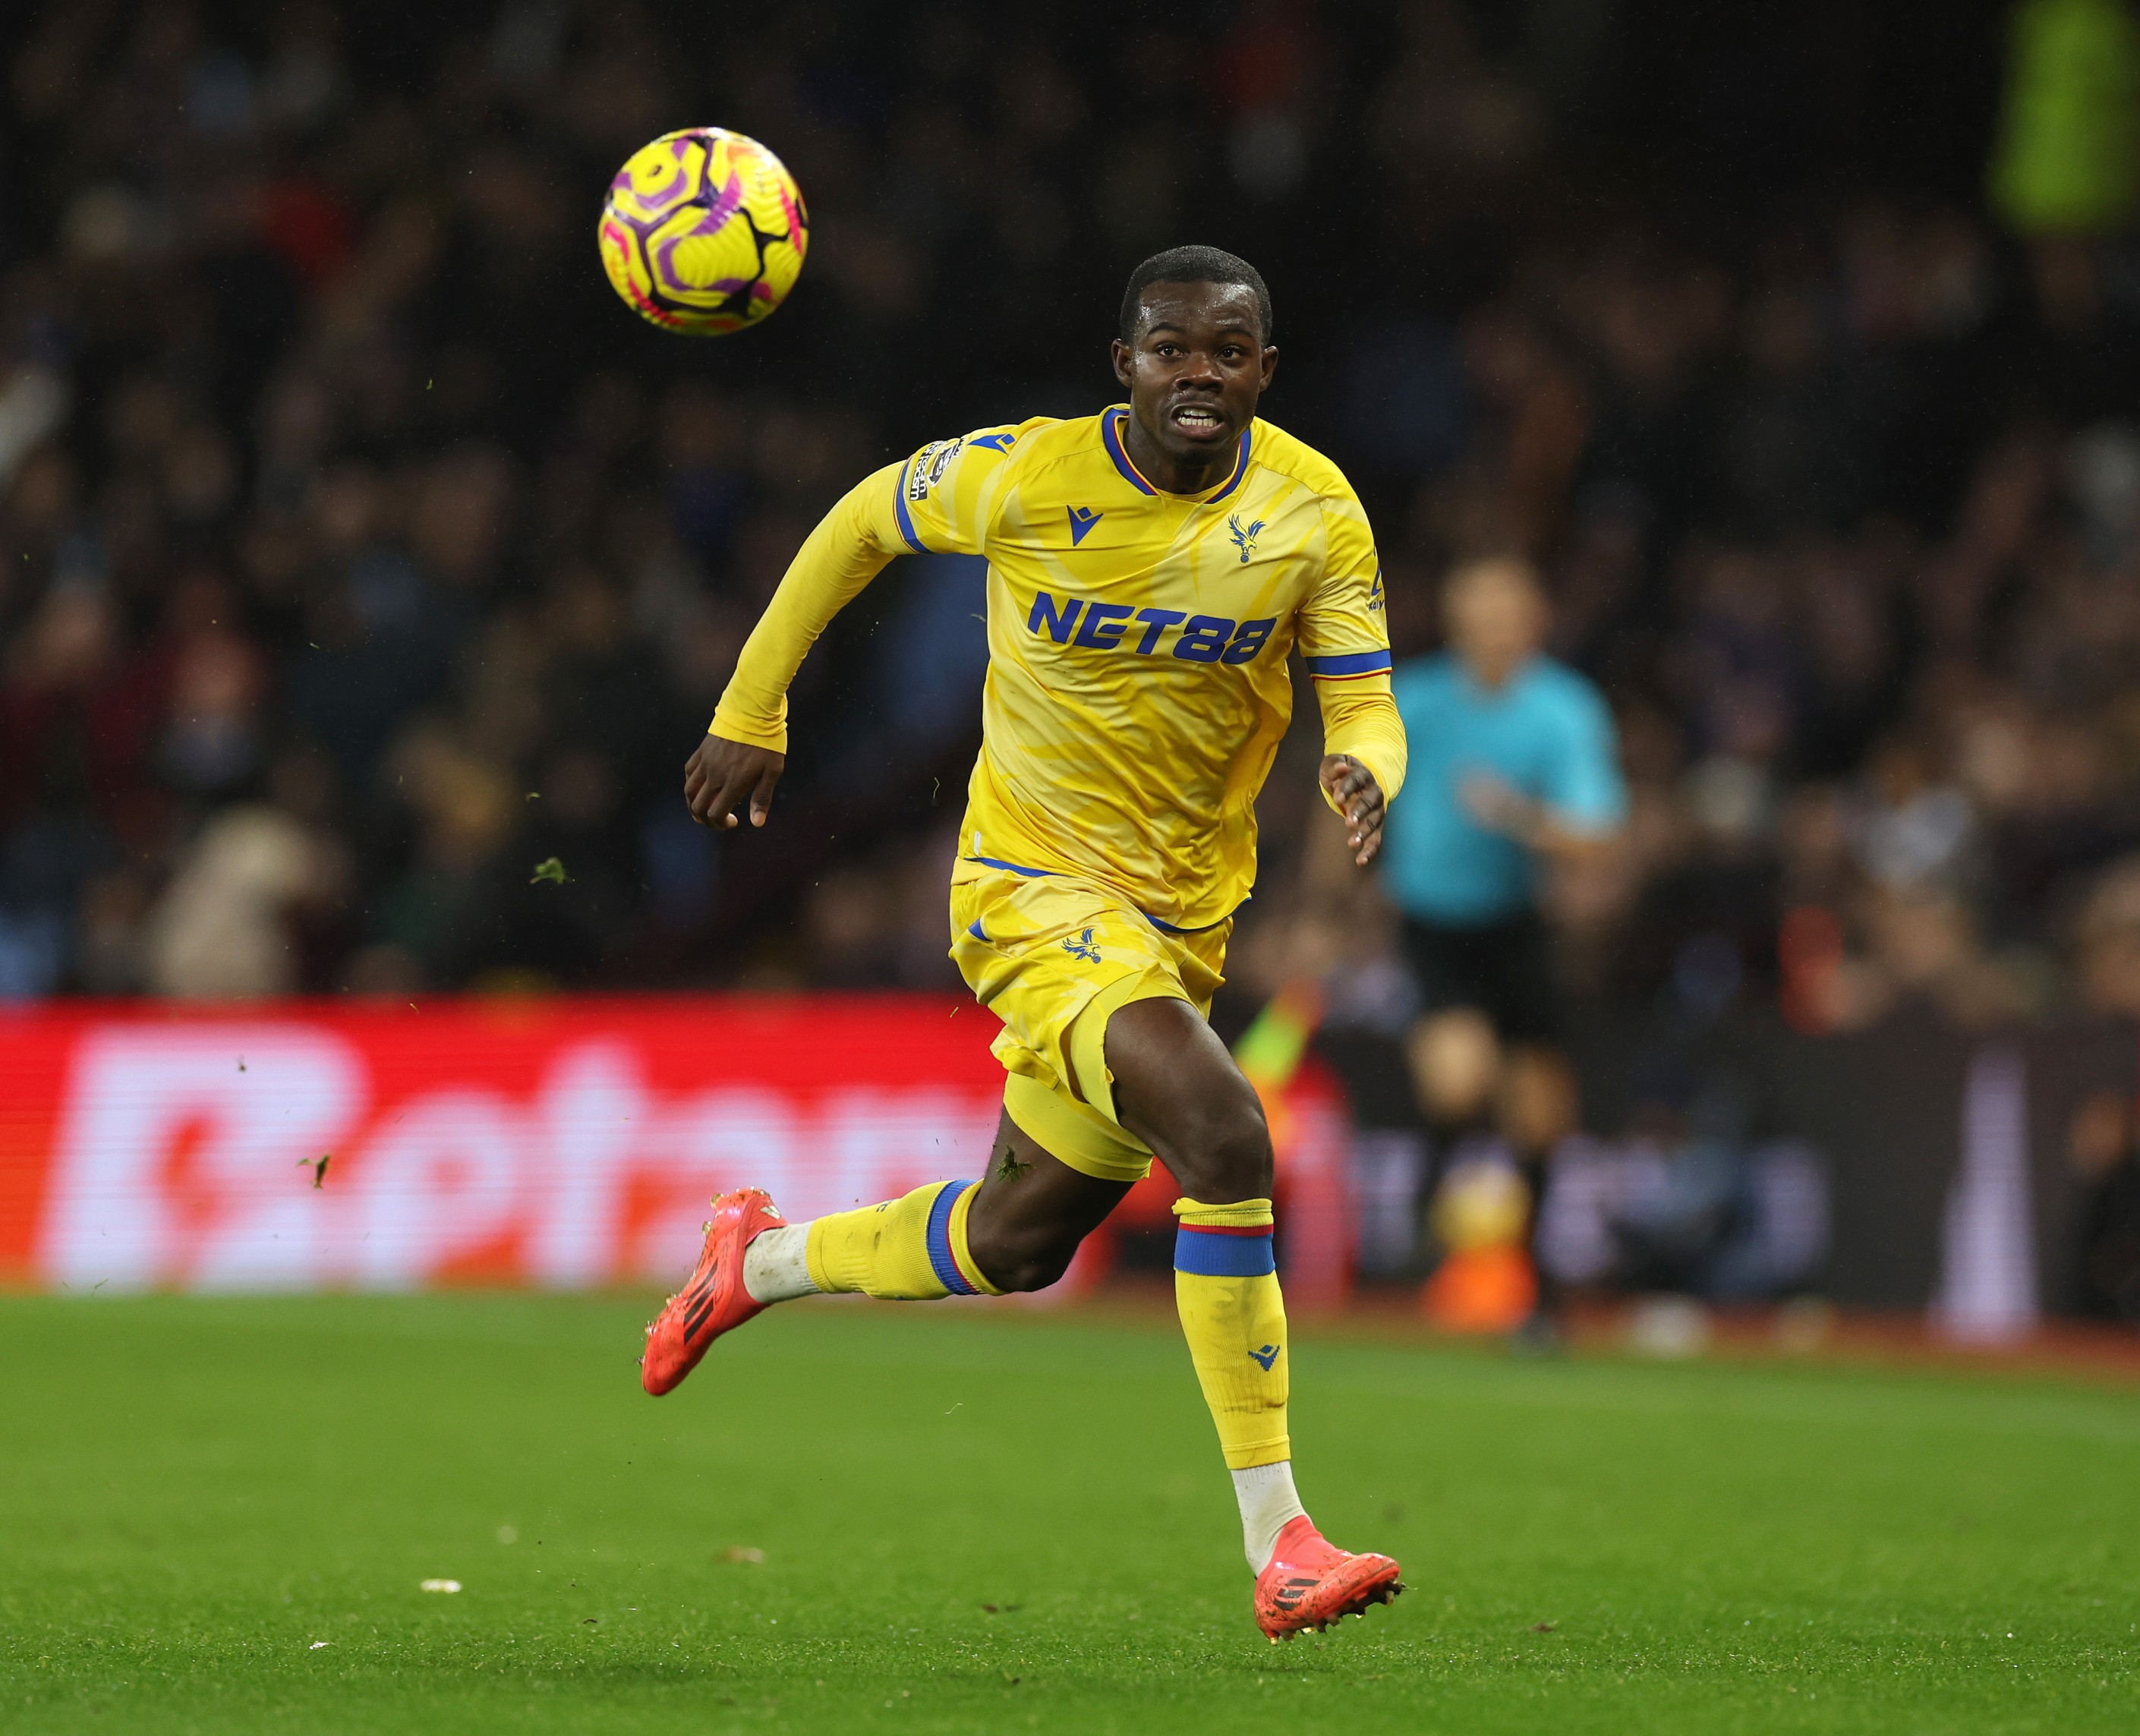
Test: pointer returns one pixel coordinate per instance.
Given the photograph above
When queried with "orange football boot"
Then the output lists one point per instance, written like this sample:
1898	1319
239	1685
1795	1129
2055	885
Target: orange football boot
715	1301
1310	1582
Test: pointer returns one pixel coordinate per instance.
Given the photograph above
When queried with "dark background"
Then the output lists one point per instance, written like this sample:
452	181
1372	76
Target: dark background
379	554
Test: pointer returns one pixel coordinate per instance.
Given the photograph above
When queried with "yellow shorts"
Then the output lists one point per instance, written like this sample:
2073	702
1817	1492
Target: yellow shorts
1054	957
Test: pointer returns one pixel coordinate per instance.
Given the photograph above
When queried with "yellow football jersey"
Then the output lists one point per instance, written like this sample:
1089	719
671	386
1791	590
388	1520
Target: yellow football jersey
1137	685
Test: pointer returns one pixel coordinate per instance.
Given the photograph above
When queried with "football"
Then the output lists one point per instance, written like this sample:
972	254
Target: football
704	231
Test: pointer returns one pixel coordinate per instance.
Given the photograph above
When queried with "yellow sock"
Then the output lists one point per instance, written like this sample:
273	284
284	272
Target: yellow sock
1225	1285
908	1249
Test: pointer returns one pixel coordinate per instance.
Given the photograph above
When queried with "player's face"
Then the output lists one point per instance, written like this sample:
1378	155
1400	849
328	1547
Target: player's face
1197	368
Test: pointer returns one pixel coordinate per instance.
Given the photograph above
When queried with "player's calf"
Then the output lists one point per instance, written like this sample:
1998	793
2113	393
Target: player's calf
1017	1262
1031	1211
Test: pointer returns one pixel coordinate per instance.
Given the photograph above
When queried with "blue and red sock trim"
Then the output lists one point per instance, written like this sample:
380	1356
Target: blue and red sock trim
1226	1252
940	1238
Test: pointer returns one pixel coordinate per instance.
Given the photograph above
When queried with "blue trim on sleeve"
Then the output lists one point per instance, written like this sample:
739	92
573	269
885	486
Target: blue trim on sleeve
899	506
940	1238
1351	663
973	929
1201	1253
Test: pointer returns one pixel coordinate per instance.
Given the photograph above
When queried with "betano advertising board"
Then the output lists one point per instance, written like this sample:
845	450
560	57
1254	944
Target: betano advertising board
562	1143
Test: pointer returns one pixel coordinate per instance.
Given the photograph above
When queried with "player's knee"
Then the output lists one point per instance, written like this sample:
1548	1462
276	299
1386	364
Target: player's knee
1226	1153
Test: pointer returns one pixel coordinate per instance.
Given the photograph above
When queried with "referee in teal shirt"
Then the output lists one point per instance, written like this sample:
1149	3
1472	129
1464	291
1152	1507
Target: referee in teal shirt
1515	762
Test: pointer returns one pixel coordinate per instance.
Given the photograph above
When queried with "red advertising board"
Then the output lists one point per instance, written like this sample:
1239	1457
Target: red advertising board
562	1142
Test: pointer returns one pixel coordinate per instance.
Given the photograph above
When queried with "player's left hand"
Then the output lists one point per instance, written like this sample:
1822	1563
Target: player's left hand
1351	786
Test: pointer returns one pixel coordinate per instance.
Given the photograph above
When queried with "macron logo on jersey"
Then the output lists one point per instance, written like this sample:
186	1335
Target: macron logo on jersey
1105	627
1082	519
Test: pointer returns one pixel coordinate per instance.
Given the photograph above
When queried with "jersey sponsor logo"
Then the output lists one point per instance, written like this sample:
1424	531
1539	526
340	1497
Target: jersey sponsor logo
1375	592
1082	948
995	441
928	466
1107	626
1082	519
1244	535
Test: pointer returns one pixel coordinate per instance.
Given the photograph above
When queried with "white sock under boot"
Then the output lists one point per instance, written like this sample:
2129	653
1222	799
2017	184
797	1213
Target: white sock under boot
775	1266
1268	1503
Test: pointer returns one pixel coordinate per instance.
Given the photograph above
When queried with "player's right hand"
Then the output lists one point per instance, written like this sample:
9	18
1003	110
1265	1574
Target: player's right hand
721	772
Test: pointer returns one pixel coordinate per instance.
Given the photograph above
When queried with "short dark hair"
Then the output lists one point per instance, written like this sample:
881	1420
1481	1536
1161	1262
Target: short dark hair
1194	265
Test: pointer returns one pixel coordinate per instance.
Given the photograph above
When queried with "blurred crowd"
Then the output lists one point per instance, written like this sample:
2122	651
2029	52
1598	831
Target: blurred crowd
361	556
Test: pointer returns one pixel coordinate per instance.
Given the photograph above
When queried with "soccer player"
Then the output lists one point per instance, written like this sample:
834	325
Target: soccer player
1150	569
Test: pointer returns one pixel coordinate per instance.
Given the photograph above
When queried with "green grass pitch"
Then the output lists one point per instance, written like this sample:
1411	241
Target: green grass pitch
214	1516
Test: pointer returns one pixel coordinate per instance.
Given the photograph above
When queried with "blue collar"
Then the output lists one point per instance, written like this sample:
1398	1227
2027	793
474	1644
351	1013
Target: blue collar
1111	435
